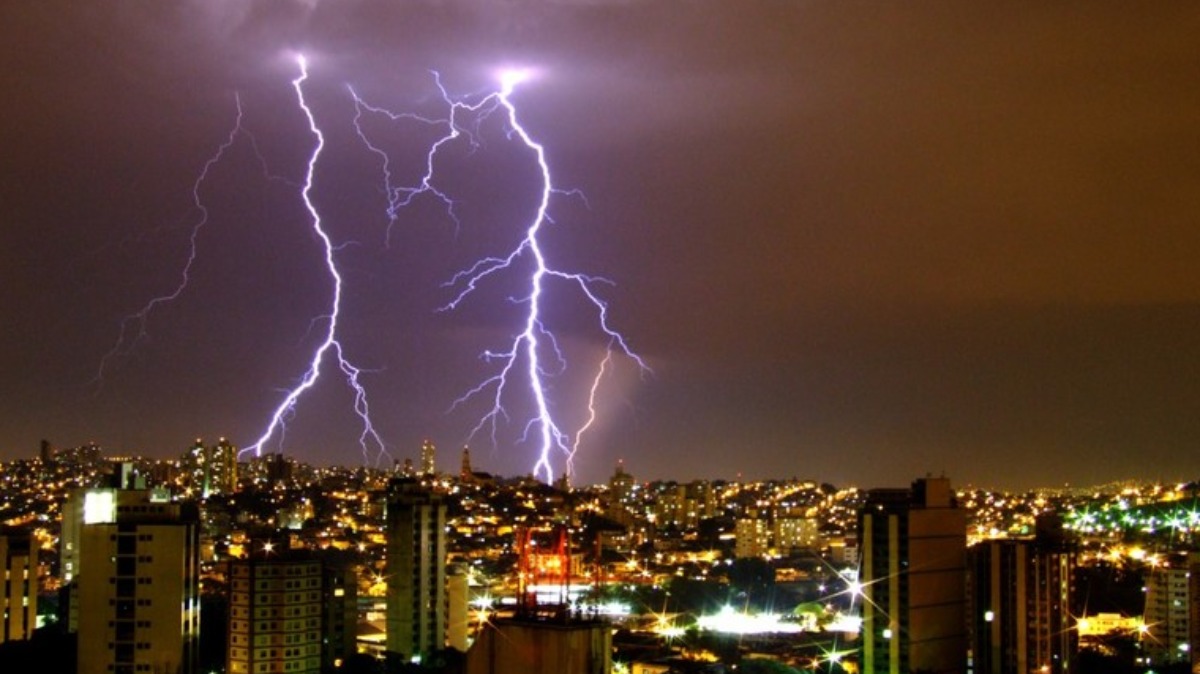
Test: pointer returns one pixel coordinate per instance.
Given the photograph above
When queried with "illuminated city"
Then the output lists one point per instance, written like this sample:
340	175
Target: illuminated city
599	337
675	571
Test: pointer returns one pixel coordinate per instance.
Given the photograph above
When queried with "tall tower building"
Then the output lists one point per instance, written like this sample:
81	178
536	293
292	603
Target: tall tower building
339	617
1019	597
416	569
19	592
458	609
211	470
275	604
427	457
620	494
195	468
913	580
138	584
1166	617
223	468
1193	601
92	505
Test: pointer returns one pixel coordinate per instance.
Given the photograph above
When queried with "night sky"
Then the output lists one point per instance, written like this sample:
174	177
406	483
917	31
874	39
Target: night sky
856	242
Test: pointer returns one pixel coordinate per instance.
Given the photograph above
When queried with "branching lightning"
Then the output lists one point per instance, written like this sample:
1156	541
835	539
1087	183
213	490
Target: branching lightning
524	365
133	326
525	356
277	425
591	406
400	196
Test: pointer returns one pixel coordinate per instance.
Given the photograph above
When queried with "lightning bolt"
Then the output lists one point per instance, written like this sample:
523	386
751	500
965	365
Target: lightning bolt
133	326
591	407
525	356
329	345
400	196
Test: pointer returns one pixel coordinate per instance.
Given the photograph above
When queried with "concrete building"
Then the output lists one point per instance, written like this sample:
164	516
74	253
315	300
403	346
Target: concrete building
211	469
1020	594
791	533
275	602
752	537
339	612
682	506
1165	640
416	570
913	544
621	488
458	609
428	455
1193	564
535	646
18	595
138	584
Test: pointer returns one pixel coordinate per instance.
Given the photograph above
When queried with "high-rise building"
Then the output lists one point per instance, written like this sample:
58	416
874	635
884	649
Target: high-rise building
223	467
211	469
1019	599
416	570
90	505
1193	564
339	616
620	494
913	580
19	592
275	606
1166	617
458	609
138	584
427	457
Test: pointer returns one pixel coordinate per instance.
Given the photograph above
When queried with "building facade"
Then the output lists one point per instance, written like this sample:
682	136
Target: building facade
912	575
542	647
211	469
416	570
1167	619
428	458
138	584
18	596
1020	598
275	605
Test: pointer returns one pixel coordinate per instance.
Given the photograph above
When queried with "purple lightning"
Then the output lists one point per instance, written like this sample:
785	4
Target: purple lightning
398	197
278	422
591	406
133	326
527	346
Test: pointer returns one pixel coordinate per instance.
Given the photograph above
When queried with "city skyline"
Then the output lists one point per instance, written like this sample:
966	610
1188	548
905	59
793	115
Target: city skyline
852	241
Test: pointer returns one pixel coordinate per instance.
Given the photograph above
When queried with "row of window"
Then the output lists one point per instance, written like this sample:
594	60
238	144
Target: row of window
274	639
272	625
278	570
128	602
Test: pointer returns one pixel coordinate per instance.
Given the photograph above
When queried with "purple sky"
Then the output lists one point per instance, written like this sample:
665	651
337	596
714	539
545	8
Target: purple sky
856	242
